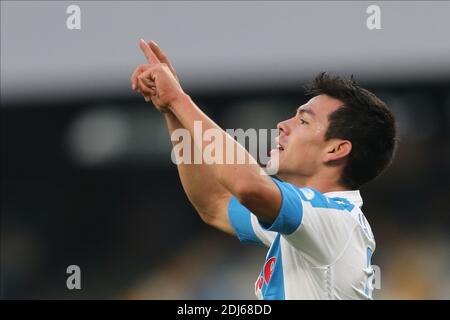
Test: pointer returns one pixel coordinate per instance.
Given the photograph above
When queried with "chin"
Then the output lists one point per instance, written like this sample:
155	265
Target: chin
273	166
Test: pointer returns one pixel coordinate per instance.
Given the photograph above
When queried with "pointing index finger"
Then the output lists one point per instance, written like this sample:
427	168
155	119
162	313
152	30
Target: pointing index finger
151	57
161	56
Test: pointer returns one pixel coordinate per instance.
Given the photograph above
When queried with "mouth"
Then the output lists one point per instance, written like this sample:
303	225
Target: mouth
280	146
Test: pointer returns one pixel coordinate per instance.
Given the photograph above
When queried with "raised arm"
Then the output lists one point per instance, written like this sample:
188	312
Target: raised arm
208	197
255	191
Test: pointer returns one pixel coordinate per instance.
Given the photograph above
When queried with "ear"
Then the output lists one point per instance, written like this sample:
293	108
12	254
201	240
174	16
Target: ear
337	150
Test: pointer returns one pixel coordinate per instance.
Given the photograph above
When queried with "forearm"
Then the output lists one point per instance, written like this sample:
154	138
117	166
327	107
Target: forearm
253	189
200	186
158	82
230	174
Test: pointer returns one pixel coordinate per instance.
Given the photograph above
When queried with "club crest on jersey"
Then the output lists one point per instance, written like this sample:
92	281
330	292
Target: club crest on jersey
266	273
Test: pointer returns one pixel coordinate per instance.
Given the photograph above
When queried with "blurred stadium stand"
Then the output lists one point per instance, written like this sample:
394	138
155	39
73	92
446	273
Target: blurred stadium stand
86	176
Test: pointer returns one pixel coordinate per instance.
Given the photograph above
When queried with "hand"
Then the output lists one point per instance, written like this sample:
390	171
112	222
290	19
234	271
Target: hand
147	91
156	80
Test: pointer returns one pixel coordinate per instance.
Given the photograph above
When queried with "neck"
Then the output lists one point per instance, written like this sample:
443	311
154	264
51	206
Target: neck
322	184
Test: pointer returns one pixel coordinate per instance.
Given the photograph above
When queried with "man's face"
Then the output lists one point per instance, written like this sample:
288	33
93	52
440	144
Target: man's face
301	140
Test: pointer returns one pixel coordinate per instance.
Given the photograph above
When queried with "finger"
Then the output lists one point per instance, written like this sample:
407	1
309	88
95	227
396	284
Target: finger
146	90
142	86
148	96
147	78
148	93
145	85
161	56
136	73
151	57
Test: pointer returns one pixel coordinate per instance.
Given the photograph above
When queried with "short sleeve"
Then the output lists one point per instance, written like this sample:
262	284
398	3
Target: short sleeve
290	214
246	225
313	223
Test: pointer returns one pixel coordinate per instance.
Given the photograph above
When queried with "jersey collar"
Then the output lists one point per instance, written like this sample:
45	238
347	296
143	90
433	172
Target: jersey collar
351	195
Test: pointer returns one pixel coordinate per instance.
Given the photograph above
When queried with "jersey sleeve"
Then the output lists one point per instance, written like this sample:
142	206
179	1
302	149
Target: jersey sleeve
246	225
316	225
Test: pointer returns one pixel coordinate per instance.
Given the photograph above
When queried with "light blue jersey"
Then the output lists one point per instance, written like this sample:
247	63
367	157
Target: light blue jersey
320	245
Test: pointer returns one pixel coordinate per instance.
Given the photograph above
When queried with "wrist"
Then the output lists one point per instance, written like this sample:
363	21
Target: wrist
168	115
181	99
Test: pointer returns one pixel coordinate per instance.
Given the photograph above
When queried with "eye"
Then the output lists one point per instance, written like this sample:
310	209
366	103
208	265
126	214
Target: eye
303	121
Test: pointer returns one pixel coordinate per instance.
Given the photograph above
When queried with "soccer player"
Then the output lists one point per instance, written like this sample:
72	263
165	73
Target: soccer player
310	215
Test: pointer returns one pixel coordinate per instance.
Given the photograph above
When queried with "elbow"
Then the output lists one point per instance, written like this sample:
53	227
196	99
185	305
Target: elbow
206	218
205	215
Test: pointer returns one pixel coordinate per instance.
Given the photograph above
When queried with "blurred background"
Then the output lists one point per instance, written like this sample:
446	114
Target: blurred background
86	176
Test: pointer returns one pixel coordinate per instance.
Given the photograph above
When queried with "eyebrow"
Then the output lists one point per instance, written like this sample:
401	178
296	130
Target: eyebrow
300	111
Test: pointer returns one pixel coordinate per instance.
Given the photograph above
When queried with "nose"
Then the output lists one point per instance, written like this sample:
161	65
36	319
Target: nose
283	127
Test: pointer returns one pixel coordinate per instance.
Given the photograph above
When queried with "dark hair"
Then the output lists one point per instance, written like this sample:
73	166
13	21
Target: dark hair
365	121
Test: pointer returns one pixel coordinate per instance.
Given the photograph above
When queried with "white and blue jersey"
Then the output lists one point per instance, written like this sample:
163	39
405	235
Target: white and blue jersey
320	245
